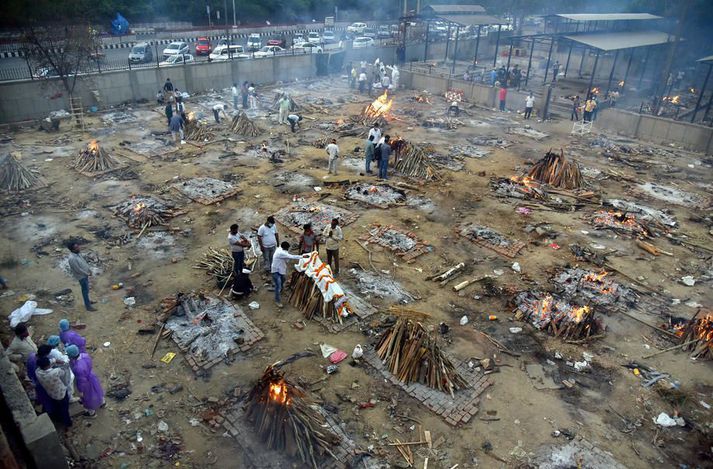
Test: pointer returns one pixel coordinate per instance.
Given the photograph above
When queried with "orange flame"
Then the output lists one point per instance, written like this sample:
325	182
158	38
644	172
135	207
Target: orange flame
672	99
579	313
621	83
380	107
278	393
93	146
595	90
139	207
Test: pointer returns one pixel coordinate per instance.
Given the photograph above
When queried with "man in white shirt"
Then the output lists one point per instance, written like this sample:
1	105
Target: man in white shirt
268	238
217	110
235	93
376	132
529	104
237	244
333	237
362	82
333	152
279	269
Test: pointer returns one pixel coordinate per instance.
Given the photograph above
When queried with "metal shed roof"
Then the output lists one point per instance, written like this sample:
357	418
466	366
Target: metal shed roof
454	9
621	40
472	20
608	16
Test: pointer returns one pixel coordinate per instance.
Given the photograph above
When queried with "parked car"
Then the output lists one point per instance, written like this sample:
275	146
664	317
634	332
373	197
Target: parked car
178	47
384	32
177	59
361	42
225	42
203	46
254	42
369	32
276	41
394	29
314	37
308	48
356	28
224	53
269	51
298	39
328	37
141	53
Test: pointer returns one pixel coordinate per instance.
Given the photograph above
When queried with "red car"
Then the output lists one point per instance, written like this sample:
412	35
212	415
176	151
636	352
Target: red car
203	46
276	41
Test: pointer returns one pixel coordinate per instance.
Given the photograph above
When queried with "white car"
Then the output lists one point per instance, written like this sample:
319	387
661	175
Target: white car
308	48
178	59
269	51
254	42
356	28
314	37
221	53
328	37
361	42
298	39
174	48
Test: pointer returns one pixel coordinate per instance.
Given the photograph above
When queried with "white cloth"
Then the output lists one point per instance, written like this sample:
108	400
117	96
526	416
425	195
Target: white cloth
376	133
218	107
322	276
530	101
279	261
56	357
232	240
25	312
332	150
332	242
234	91
54	380
268	235
362	76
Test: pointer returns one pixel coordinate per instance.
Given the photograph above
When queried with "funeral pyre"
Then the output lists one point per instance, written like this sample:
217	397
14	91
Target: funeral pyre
143	211
412	354
558	317
206	190
285	419
94	159
557	171
382	196
622	222
593	288
243	125
489	238
697	336
316	292
404	243
380	107
14	176
412	160
320	215
518	187
218	263
197	130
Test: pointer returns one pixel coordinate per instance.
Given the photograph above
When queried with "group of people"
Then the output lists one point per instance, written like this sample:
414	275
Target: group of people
379	76
589	108
377	149
276	254
285	114
504	78
248	94
55	368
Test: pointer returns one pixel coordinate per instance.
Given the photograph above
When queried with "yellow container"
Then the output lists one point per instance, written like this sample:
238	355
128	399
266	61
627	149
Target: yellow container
636	372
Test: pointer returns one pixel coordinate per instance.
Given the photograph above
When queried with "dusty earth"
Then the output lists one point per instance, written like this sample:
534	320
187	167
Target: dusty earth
607	413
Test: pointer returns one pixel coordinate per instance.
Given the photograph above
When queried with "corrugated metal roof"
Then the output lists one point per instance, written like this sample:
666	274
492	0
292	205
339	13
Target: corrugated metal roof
622	40
454	9
472	20
608	16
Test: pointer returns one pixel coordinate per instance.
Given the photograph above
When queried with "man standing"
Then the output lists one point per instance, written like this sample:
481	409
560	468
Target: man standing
284	109
234	92
595	109
81	271
237	244
384	154
333	152
244	94
278	269
493	76
217	109
168	89
555	71
308	240
375	132
169	112
529	104
369	153
333	237
589	107
502	97
362	82
268	238
55	381
176	126
574	116
294	120
22	345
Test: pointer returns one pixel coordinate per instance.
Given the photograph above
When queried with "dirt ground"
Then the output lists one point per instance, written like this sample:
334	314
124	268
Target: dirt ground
608	414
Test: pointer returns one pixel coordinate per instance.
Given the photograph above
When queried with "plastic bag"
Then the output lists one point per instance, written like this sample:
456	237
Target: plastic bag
25	312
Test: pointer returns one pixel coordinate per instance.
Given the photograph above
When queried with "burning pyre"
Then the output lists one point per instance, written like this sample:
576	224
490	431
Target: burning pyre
285	419
557	171
94	159
412	160
142	211
593	288
380	107
621	222
558	317
519	187
197	131
697	336
382	196
412	354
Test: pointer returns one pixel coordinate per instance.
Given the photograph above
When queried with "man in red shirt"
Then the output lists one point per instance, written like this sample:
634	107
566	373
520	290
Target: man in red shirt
502	96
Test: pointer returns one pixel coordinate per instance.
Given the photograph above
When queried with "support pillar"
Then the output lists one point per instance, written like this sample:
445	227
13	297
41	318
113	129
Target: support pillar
613	67
569	55
700	95
448	43
529	62
477	45
455	52
594	71
425	52
628	66
507	67
643	67
549	57
497	44
581	62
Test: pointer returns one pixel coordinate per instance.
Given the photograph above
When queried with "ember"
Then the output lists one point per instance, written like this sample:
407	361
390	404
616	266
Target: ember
286	420
671	99
697	336
558	317
520	187
142	211
380	107
593	288
557	171
619	221
94	160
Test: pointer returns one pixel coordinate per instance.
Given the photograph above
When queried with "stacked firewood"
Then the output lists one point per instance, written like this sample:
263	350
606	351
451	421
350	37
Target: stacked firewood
143	211
286	420
557	171
307	297
558	317
217	263
197	131
242	125
412	354
697	336
321	142
14	176
412	160
94	159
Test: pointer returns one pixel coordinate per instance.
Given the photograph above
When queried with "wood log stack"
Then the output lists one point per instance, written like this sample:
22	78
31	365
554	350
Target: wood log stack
307	297
218	263
197	131
14	176
243	125
412	354
697	336
556	170
412	160
93	159
145	211
285	419
558	317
